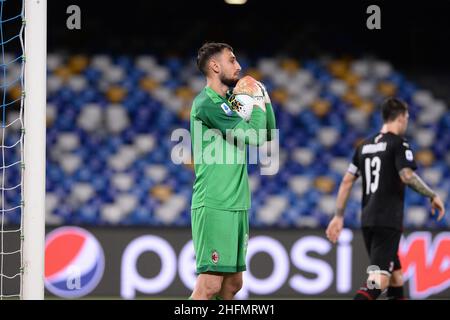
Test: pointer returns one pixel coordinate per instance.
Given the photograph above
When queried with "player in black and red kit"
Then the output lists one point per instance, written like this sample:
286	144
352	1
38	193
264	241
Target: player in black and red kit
386	163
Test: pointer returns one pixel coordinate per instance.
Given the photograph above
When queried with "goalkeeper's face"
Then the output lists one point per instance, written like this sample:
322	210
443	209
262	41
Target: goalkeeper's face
229	68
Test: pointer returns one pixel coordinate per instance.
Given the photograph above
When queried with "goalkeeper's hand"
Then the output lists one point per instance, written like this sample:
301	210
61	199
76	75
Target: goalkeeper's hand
265	93
248	85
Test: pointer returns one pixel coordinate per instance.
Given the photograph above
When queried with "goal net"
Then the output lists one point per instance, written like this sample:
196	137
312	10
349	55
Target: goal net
22	159
12	129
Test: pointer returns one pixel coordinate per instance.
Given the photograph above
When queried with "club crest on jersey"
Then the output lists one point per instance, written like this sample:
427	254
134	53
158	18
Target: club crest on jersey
226	109
215	256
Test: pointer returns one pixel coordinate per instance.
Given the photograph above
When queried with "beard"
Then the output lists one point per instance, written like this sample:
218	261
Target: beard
230	82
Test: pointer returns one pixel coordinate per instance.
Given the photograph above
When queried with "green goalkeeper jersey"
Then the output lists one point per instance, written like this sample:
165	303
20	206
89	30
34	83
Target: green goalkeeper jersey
222	183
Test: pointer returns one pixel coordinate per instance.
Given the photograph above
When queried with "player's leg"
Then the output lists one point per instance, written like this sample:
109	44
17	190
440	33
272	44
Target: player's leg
232	283
366	292
376	283
379	280
382	245
207	286
395	289
215	246
396	279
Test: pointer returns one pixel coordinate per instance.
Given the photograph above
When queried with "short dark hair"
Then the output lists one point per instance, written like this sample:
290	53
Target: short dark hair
207	51
391	108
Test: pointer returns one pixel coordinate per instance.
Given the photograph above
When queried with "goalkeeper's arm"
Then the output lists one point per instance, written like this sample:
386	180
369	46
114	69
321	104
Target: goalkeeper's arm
254	131
271	122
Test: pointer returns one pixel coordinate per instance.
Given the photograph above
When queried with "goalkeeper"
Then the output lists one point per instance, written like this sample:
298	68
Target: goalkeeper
221	195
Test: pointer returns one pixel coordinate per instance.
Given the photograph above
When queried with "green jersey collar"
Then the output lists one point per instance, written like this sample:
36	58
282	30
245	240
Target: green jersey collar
215	97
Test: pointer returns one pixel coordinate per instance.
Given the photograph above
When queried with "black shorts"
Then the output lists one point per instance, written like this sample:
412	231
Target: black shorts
382	245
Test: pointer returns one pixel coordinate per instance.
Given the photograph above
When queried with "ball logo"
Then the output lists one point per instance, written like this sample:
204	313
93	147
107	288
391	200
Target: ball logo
74	262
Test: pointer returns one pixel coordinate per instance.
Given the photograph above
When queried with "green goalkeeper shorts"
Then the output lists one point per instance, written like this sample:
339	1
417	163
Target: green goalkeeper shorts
220	239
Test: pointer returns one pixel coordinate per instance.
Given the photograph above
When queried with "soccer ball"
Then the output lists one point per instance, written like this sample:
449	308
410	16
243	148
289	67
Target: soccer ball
246	94
243	105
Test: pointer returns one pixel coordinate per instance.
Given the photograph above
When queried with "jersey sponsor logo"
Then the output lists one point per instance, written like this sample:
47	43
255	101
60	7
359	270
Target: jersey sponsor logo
215	257
374	148
409	155
426	263
406	144
226	109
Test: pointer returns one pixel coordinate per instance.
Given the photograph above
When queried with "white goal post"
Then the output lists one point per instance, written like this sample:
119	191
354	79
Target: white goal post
34	149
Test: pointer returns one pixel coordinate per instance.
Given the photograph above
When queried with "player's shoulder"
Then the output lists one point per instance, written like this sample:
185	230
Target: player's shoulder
397	140
202	103
202	98
206	101
368	143
366	140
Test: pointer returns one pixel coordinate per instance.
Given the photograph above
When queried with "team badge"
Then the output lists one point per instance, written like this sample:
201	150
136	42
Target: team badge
215	256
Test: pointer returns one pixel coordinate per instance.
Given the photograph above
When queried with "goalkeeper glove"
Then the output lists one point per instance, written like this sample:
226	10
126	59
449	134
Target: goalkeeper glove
248	85
265	93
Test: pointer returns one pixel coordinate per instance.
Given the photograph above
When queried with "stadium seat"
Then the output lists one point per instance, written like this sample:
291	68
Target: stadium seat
110	119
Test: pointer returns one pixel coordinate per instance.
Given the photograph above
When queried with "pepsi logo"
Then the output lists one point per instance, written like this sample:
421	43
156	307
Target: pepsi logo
74	262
